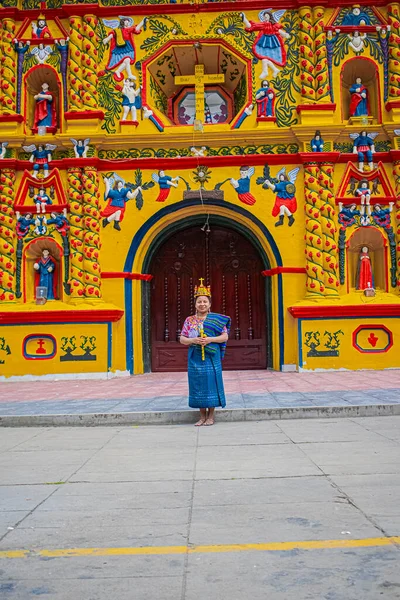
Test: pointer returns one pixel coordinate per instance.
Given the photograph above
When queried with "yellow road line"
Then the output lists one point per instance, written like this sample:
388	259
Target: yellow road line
146	550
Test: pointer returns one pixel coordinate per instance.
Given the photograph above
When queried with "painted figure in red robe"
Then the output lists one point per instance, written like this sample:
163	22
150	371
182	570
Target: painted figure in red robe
45	109
122	48
364	277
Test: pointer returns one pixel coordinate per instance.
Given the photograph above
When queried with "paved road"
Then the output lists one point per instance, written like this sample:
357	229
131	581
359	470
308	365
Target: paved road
284	510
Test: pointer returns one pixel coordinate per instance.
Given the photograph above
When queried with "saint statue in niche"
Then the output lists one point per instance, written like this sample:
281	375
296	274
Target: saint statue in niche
45	274
364	276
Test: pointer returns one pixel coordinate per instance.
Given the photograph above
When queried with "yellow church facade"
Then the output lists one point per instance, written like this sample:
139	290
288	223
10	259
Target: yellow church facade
147	144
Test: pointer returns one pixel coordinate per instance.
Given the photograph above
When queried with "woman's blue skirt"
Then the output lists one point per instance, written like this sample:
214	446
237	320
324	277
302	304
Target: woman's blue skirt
206	386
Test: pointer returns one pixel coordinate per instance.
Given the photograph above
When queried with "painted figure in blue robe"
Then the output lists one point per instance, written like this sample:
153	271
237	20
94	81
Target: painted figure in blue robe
364	147
359	102
317	143
381	215
45	270
206	334
242	185
21	48
265	99
348	214
60	222
24	223
80	147
42	200
62	47
165	182
356	17
40	156
117	195
122	50
131	100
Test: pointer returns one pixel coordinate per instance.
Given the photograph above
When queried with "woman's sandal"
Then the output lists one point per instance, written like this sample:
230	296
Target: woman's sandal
209	422
200	422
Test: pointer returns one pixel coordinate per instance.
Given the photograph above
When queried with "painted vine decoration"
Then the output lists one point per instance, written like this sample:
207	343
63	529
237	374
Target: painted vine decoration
307	53
91	235
159	98
90	43
347	147
315	283
286	88
160	31
7	235
322	86
8	66
231	24
75	82
76	219
396	175
330	248
394	52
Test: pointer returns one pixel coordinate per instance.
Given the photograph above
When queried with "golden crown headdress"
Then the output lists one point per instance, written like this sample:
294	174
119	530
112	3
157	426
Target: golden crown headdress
41	17
201	289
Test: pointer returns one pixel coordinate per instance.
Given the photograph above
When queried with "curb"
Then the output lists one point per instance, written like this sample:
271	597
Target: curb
189	417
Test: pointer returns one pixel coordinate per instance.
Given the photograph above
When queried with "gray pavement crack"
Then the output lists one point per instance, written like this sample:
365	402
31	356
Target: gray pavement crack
186	559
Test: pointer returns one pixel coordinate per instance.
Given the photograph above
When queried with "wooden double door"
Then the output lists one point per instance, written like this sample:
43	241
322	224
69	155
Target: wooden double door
232	266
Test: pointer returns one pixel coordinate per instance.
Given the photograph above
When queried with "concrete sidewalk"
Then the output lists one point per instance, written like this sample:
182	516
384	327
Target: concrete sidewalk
162	397
280	510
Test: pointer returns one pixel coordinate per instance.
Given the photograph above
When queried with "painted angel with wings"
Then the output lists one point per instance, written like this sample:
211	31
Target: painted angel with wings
3	149
41	53
122	49
268	45
117	193
283	186
41	156
165	182
80	147
242	186
364	147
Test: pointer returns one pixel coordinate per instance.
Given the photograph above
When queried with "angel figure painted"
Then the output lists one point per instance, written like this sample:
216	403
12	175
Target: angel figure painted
356	42
131	100
382	216
41	53
364	147
60	222
122	48
268	45
117	194
283	186
242	185
40	157
347	214
24	223
165	182
3	149
80	147
45	110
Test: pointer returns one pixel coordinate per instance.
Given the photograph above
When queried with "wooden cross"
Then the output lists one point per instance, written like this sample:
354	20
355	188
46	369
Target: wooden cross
199	80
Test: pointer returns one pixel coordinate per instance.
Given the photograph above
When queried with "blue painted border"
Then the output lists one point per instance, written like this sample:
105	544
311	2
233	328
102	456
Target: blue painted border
33	336
174	208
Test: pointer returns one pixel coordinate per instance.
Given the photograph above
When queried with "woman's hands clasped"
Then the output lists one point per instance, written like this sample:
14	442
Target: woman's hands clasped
202	341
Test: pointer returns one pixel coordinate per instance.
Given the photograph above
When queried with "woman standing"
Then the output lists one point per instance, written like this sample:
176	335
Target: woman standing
206	334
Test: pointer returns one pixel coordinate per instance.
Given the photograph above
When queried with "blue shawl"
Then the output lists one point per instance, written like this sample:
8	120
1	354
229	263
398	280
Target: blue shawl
213	326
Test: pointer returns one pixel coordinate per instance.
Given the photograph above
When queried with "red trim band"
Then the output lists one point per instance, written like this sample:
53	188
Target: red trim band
11	118
316	107
84	114
337	311
61	316
279	270
123	275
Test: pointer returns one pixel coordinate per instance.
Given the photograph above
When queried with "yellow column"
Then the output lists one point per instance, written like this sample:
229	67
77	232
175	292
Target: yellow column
7	235
75	78
321	82
394	52
306	39
89	62
396	176
315	283
8	65
329	231
76	232
92	242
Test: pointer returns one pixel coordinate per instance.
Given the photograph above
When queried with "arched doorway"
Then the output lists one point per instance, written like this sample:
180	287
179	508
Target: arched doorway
231	263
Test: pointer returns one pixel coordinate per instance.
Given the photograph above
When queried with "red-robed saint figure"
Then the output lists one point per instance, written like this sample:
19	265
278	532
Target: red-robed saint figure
365	277
45	110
